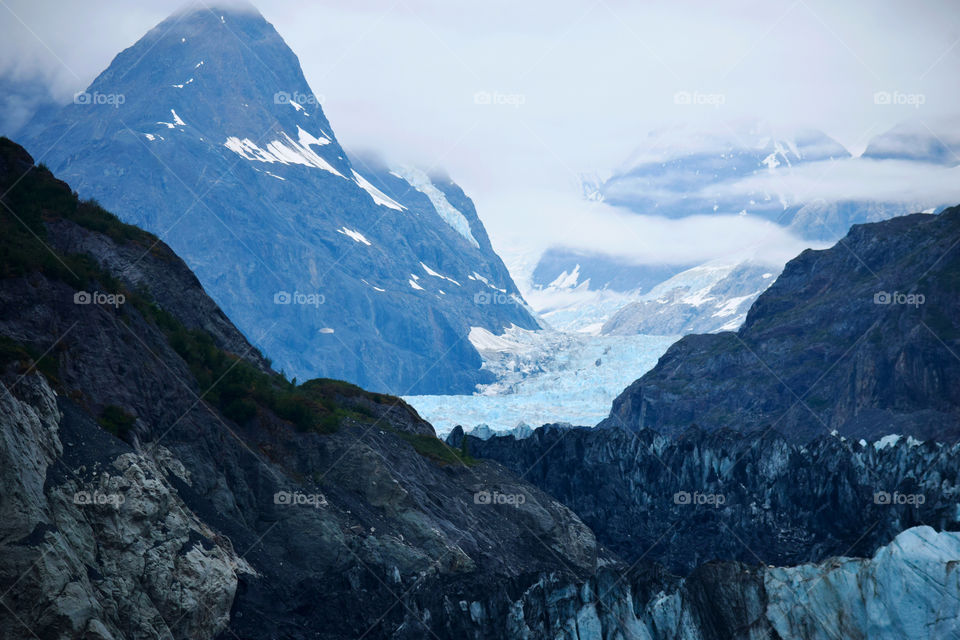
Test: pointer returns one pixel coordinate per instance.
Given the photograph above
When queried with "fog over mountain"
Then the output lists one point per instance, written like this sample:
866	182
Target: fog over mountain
425	83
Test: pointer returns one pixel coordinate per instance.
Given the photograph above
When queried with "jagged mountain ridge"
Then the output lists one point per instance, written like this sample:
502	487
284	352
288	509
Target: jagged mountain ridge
783	503
841	341
206	132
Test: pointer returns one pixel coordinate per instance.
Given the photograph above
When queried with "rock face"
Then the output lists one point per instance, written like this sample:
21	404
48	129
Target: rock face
100	545
860	338
206	132
704	496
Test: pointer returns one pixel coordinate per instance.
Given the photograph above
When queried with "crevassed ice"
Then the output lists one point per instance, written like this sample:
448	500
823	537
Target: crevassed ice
420	181
379	197
889	440
544	376
908	589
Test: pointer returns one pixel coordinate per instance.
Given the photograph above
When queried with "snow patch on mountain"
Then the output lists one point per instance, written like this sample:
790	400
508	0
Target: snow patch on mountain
284	150
356	235
372	286
431	272
419	180
378	196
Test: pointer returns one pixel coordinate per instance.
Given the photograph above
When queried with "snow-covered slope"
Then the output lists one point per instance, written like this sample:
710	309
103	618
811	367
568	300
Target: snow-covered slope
712	297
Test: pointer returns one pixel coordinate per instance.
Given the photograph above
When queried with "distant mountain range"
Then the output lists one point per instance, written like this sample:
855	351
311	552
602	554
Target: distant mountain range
745	170
206	133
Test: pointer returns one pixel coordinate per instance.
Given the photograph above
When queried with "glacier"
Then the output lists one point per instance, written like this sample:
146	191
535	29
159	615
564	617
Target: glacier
542	377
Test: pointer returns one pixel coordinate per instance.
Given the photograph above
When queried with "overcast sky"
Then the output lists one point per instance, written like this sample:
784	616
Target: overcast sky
574	86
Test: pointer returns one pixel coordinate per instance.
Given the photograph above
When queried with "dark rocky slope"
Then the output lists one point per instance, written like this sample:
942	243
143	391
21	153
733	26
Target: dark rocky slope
861	338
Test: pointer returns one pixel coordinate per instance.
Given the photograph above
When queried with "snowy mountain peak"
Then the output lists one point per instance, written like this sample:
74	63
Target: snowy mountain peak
218	75
917	141
220	145
730	142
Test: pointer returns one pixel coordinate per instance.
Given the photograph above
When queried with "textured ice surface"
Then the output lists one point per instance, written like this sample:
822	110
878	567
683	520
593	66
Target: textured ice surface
909	589
543	377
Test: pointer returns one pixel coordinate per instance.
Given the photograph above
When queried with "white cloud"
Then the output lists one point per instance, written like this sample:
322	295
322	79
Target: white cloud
857	179
638	239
